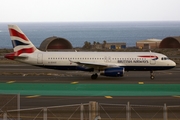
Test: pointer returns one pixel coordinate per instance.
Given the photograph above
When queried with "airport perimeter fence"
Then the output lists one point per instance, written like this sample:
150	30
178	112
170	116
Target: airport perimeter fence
91	111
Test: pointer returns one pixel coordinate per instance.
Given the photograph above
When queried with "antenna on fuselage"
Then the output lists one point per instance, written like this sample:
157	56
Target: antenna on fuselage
150	48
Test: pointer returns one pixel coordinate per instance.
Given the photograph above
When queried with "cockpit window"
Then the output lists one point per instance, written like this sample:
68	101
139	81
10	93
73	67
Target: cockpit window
164	58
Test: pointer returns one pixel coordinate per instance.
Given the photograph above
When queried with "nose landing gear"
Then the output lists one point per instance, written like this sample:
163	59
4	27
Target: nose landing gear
151	75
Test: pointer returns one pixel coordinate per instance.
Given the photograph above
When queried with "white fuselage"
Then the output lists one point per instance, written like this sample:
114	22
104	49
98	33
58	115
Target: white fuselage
111	64
128	60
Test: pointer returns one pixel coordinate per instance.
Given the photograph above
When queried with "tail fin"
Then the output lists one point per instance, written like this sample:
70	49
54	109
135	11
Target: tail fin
21	43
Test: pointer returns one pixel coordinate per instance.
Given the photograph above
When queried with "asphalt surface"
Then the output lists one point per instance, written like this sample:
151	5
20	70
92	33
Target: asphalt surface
31	74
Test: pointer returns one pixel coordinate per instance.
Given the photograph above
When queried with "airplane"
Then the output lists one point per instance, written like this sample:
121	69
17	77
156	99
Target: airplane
111	64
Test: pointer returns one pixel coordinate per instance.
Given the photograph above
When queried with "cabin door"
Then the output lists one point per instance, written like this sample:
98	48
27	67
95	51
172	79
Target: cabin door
153	60
40	58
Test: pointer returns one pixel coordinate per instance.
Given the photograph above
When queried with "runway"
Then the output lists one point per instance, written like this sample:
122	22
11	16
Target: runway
30	74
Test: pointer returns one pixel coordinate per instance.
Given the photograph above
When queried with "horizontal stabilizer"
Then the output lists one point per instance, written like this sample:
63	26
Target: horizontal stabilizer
12	56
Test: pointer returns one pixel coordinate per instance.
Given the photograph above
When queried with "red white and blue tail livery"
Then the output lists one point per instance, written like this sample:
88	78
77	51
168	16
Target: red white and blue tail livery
21	44
112	64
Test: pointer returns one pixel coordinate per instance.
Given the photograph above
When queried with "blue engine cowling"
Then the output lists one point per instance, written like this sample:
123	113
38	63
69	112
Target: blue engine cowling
113	72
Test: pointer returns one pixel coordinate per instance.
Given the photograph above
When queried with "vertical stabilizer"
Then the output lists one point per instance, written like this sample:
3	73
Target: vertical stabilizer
20	41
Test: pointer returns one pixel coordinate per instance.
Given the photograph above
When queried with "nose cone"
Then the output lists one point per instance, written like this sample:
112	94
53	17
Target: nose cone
173	64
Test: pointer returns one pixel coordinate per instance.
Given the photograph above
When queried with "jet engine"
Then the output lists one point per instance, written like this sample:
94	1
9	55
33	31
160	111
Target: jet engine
113	72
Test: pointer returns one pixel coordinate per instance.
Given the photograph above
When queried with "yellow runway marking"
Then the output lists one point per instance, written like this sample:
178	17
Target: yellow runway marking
108	97
33	96
177	96
74	82
141	83
10	82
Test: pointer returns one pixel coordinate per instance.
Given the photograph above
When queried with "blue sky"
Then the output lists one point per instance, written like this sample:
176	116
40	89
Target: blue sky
88	10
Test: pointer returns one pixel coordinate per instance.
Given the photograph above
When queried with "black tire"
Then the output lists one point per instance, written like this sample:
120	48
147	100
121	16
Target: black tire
94	76
152	77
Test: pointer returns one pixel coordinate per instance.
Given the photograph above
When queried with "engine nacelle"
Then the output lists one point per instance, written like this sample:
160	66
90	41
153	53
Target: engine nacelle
113	72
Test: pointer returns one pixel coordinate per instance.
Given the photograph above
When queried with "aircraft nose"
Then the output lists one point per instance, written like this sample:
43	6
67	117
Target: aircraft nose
173	63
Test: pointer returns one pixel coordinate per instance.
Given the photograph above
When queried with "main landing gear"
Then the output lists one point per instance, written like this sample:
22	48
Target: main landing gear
151	75
94	76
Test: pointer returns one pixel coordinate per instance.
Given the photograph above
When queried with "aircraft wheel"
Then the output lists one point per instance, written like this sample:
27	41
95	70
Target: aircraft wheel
152	77
94	76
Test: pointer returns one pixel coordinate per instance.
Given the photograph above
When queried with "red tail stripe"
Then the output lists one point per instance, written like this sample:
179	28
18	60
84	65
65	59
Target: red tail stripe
17	34
25	50
15	54
10	56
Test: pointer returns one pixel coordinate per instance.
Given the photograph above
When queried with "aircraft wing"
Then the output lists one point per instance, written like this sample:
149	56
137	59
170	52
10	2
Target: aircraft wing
96	65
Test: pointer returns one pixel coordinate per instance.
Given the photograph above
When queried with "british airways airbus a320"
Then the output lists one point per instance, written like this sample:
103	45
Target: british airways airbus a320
112	64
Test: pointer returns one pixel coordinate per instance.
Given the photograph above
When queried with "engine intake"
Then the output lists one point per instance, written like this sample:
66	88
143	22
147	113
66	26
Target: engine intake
113	72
